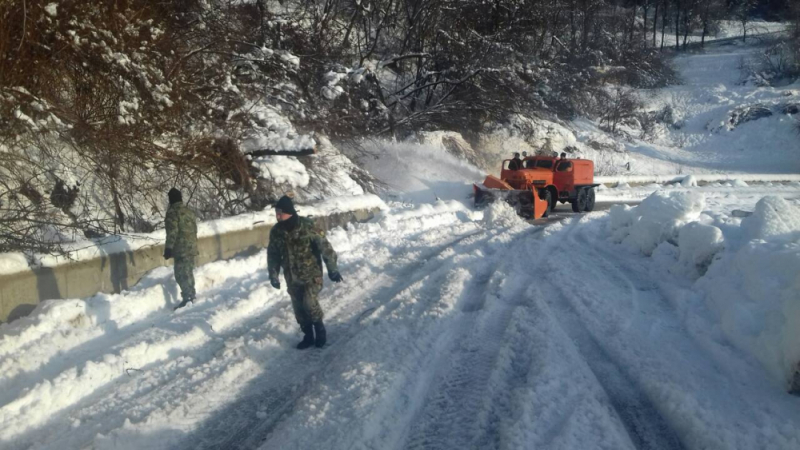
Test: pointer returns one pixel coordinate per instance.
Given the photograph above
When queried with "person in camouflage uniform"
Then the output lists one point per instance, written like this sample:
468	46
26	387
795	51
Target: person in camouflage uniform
298	247
794	386
181	226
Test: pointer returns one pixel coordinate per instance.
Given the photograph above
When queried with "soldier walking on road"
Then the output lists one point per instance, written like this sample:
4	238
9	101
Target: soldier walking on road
298	247
181	227
794	387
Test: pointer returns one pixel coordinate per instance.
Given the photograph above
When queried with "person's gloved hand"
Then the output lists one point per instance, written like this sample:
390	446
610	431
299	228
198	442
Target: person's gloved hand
336	277
275	283
167	253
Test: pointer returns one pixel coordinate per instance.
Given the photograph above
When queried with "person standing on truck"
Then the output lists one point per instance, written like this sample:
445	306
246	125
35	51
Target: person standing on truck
516	163
298	247
181	227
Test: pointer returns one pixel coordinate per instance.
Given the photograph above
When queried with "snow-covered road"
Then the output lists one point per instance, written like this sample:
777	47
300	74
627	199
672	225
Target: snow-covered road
452	330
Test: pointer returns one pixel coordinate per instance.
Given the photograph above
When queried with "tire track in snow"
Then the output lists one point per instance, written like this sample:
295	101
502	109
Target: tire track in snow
445	419
272	399
460	411
647	428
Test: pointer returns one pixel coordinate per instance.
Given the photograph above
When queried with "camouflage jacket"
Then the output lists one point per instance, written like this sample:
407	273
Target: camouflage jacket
299	251
181	226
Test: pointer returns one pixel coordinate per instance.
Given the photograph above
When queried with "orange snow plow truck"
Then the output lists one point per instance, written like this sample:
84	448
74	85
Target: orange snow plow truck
534	185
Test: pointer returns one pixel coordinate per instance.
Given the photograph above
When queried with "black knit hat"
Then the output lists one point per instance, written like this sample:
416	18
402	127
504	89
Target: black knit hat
174	196
286	205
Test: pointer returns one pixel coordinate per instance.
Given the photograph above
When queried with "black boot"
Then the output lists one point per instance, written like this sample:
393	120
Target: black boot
308	337
185	302
319	331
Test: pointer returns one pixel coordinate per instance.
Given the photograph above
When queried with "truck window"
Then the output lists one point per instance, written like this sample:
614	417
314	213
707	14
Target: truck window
544	164
565	166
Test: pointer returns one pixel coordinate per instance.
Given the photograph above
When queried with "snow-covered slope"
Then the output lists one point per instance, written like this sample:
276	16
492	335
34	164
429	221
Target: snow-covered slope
712	122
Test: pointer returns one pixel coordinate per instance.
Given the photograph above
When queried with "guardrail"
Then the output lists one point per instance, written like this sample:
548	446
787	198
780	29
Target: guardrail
20	292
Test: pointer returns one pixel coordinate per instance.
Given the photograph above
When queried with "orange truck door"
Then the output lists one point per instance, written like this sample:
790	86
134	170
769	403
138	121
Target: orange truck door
563	176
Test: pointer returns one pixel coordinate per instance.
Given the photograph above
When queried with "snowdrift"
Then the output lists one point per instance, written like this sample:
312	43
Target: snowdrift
747	271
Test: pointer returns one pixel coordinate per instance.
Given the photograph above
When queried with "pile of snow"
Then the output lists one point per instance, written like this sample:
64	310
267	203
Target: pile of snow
698	244
755	288
420	173
657	219
774	220
746	271
689	181
501	214
12	262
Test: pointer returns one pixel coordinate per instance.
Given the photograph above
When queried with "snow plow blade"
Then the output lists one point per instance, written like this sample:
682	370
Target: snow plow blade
524	202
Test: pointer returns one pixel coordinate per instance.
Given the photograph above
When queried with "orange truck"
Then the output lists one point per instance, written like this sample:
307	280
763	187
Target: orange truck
535	185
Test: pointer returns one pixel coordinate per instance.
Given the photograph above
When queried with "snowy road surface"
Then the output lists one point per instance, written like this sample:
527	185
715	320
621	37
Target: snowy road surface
450	331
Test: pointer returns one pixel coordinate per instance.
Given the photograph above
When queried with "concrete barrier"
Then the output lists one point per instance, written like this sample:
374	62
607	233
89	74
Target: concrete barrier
112	273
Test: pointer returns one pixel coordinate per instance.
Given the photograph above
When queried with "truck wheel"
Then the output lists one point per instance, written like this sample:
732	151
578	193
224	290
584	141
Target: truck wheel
579	204
589	200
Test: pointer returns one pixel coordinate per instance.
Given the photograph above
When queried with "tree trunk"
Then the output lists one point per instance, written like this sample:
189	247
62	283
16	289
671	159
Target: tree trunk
744	31
664	25
705	30
655	24
573	26
677	25
686	26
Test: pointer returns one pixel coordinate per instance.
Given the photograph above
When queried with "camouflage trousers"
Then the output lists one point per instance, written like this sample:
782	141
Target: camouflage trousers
794	386
184	275
305	302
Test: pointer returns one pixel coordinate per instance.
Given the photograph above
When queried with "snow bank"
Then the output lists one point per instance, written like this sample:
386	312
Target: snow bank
12	262
755	289
748	275
689	181
774	219
428	212
501	214
698	244
657	219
